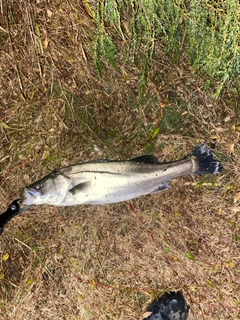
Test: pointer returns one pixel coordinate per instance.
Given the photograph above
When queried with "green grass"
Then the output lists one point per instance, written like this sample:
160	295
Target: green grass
207	33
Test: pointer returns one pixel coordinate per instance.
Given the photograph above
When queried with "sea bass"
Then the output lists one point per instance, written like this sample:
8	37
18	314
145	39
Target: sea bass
110	181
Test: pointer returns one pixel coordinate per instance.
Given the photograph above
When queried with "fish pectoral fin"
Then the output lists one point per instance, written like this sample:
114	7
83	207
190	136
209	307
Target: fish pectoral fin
148	158
80	187
162	187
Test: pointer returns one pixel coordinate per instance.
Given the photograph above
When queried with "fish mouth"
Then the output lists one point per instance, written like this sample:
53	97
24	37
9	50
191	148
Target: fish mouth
31	198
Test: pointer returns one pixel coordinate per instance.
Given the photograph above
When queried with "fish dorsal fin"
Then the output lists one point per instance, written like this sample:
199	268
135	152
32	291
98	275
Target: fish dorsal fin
148	158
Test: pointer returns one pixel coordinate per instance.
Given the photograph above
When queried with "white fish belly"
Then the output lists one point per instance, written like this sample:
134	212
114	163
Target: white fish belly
105	189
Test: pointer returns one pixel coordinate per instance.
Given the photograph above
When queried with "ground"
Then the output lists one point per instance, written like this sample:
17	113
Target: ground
110	262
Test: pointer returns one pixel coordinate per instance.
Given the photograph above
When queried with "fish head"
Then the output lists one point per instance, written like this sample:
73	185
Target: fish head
51	189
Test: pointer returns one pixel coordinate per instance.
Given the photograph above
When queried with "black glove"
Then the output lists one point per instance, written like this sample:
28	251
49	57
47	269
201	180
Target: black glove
170	306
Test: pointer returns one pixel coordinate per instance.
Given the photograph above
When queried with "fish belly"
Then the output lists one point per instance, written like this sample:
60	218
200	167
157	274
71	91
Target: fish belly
105	189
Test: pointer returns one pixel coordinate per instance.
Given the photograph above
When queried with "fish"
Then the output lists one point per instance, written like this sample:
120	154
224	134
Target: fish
102	182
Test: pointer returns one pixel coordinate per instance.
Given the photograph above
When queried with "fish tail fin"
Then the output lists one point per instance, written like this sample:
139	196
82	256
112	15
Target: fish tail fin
205	161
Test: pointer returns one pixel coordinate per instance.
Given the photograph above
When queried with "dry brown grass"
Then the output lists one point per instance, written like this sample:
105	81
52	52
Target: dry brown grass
92	262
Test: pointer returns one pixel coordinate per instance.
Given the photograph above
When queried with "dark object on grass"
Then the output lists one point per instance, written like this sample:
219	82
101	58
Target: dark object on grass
170	306
12	211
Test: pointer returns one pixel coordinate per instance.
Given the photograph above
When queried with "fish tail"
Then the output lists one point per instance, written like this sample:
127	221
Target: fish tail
205	161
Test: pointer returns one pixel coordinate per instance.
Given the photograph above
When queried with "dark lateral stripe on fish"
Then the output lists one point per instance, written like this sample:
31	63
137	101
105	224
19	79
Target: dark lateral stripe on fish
101	172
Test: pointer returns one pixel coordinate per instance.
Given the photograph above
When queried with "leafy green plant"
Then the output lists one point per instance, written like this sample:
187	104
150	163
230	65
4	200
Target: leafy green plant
206	31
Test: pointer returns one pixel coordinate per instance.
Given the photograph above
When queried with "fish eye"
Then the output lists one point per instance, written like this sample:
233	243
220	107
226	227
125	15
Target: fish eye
38	186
